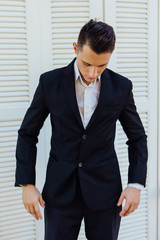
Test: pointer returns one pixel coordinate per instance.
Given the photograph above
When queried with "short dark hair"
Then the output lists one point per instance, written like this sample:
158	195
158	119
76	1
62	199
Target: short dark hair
99	36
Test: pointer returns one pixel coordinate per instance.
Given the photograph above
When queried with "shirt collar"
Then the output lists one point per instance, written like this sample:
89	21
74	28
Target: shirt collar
77	74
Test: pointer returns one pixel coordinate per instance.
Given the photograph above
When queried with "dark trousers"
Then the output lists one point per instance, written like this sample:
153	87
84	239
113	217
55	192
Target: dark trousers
64	223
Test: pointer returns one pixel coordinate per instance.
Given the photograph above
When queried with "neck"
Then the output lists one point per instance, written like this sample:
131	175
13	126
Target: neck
85	81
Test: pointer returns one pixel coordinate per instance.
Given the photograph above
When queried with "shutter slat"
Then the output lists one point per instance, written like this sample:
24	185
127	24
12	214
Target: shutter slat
131	30
131	60
63	25
141	17
7	164
12	42
12	19
58	59
132	6
13	218
12	79
69	4
60	31
10	73
12	9
12	13
131	35
12	3
126	19
71	15
133	25
14	99
13	57
132	1
16	35
70	20
13	84
67	9
132	52
13	47
61	41
9	25
13	51
132	65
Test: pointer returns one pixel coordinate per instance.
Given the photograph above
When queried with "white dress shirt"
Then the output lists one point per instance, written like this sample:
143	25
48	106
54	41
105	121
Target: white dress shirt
87	99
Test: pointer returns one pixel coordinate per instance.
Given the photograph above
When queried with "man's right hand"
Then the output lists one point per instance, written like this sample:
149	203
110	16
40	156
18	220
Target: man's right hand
30	198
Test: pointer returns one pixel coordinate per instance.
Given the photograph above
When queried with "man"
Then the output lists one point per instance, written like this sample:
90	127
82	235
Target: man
84	100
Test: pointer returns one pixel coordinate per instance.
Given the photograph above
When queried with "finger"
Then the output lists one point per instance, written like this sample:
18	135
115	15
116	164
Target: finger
41	201
130	210
37	210
27	207
120	199
33	212
125	209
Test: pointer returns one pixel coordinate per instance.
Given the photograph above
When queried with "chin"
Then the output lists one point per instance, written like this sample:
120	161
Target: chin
91	80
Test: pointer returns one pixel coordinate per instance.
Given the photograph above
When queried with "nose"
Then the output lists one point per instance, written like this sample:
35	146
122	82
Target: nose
93	72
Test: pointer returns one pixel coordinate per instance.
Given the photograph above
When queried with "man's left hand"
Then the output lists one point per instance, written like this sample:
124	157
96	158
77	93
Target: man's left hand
132	197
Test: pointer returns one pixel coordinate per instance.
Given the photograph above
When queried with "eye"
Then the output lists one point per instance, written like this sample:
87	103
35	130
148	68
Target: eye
102	66
86	64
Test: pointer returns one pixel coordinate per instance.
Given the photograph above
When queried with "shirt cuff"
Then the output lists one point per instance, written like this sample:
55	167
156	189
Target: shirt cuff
136	185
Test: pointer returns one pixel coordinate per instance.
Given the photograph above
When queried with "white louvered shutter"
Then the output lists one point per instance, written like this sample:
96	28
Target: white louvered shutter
131	28
67	19
15	222
13	53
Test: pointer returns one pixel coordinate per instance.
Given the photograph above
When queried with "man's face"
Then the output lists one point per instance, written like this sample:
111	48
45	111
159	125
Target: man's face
90	64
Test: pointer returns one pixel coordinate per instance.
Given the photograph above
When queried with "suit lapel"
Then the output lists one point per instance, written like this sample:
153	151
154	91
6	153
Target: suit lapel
70	91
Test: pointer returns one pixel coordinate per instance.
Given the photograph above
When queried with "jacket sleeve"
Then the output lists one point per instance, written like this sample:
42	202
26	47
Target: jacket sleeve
26	150
137	141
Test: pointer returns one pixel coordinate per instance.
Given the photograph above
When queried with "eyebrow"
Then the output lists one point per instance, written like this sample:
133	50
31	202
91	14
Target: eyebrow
98	65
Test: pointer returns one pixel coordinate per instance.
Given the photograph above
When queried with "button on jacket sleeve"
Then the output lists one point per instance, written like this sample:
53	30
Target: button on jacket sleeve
26	149
137	141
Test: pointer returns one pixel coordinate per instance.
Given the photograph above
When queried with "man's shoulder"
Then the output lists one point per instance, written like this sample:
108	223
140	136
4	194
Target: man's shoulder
52	77
119	79
53	73
58	72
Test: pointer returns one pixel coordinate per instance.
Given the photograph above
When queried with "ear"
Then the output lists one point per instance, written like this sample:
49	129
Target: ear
75	47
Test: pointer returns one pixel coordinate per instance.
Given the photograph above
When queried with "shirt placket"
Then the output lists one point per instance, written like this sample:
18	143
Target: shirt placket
87	104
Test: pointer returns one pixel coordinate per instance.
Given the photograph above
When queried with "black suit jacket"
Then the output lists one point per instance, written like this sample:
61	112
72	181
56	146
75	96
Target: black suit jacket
89	151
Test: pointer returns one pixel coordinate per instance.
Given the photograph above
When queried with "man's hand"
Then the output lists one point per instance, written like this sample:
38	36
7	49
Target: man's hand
30	197
132	197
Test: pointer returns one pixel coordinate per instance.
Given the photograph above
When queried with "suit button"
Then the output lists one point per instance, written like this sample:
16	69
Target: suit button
80	164
84	136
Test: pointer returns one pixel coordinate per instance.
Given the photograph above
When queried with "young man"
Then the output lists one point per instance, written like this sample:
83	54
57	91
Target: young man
84	100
